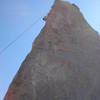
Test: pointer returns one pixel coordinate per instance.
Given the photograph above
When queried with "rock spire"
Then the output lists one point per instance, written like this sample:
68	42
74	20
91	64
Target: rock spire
64	63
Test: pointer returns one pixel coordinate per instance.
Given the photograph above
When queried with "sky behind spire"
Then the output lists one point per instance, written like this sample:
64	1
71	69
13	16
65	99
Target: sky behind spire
16	16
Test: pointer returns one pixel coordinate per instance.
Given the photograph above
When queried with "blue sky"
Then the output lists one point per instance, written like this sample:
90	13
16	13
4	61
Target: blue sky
15	17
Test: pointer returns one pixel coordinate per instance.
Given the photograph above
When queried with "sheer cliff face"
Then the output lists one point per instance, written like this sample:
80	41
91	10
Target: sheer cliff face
64	63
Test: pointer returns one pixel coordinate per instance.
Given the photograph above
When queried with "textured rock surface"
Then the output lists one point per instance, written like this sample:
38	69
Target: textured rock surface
64	63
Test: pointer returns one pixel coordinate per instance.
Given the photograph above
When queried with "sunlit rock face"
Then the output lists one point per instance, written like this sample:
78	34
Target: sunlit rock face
64	63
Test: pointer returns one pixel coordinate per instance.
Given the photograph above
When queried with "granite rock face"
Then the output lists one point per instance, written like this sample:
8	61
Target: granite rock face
64	63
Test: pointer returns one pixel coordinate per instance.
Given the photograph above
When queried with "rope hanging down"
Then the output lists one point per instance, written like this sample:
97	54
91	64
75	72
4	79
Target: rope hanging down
19	36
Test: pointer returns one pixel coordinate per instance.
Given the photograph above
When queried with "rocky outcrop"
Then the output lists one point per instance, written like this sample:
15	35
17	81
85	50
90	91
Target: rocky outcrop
64	63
